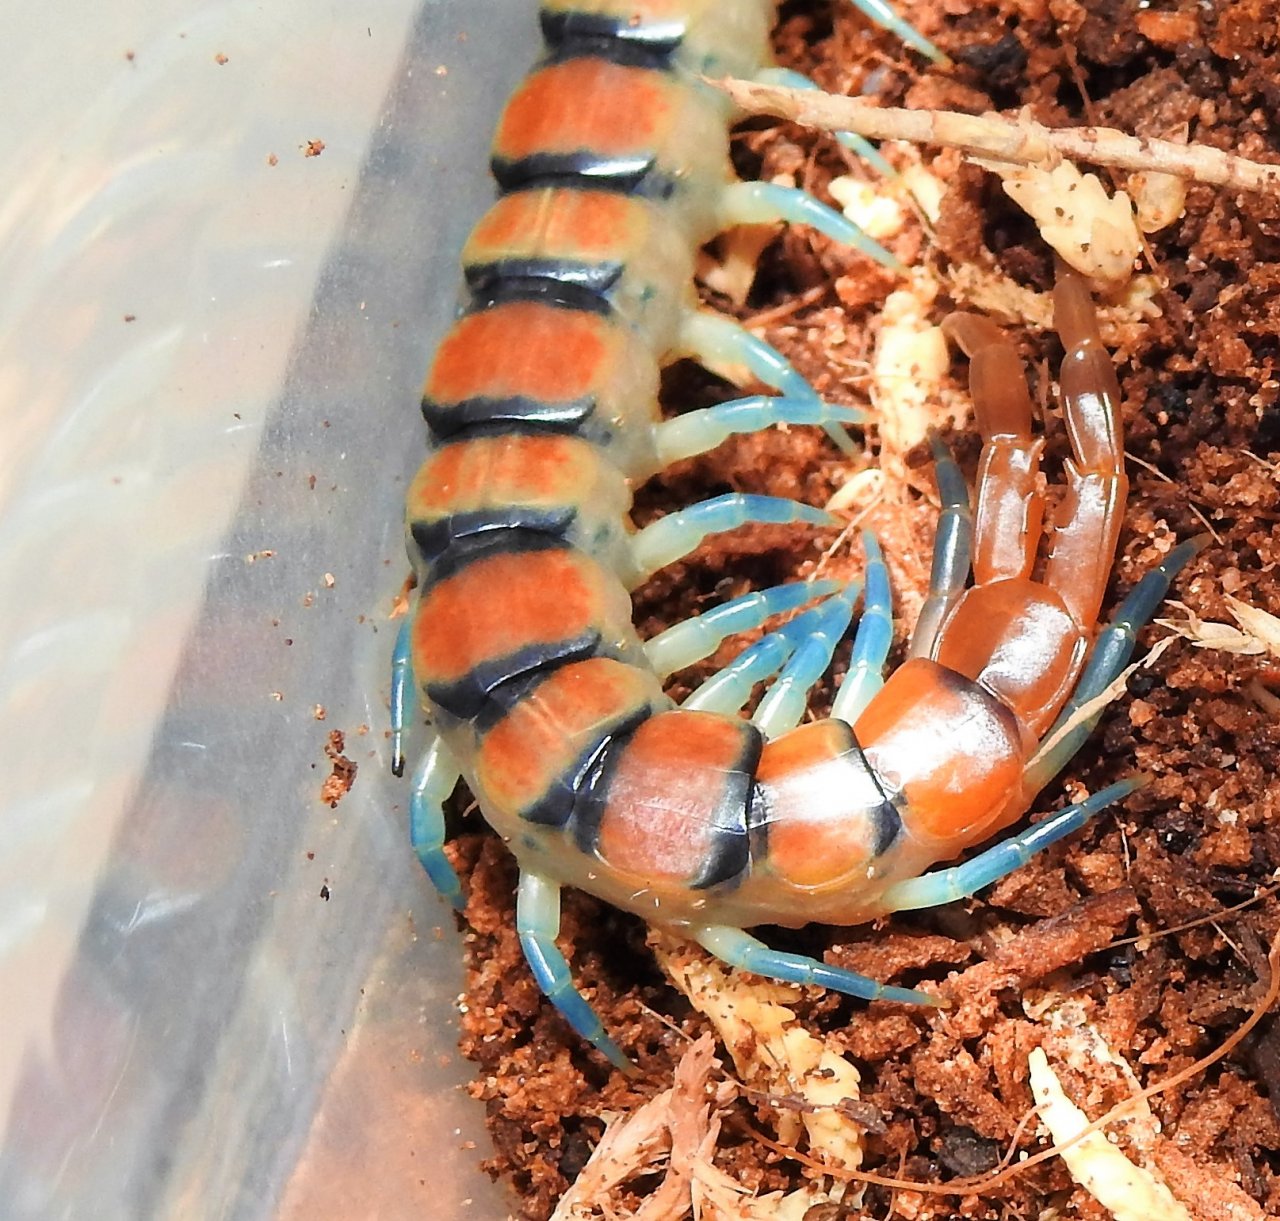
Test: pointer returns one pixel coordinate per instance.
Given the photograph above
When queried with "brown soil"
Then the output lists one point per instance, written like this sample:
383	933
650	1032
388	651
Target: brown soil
1200	388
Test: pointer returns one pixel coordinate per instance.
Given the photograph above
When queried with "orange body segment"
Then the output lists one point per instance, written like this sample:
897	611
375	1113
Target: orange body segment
1016	639
952	750
524	348
628	112
502	604
558	224
538	744
539	469
676	780
814	837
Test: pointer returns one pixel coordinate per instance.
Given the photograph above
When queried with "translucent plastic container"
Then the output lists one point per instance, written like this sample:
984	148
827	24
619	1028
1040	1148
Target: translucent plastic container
228	243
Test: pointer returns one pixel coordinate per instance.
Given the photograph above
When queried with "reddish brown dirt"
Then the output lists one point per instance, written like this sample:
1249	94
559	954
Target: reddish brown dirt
1200	390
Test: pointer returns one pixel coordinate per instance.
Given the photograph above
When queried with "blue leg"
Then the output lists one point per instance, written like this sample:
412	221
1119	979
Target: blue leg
760	203
401	685
961	881
858	145
747	953
887	19
538	923
676	535
727	690
871	642
952	551
786	700
1111	653
684	643
433	781
700	431
717	342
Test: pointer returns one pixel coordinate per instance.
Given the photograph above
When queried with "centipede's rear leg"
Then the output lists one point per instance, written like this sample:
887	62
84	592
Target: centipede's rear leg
1021	638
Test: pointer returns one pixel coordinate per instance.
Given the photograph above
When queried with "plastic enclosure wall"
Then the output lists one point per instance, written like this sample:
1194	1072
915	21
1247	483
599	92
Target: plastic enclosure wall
221	997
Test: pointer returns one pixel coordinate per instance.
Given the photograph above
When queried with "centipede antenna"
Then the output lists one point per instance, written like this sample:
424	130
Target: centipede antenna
401	684
760	203
871	642
747	953
952	551
538	923
784	704
728	689
673	537
699	431
961	881
721	343
693	639
860	146
887	19
1111	653
434	780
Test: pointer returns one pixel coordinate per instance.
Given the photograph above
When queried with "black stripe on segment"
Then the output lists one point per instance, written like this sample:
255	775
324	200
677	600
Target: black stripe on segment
574	789
433	540
584	170
480	546
600	34
517	413
593	792
730	855
473	694
887	816
486	280
539	289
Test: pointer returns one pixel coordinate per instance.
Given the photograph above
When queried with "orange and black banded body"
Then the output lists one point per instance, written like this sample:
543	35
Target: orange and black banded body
542	413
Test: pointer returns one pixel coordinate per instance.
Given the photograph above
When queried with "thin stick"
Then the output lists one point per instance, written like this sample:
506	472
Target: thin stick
1021	141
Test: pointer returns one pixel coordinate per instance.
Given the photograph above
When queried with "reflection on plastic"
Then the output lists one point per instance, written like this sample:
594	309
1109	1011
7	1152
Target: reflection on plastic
210	346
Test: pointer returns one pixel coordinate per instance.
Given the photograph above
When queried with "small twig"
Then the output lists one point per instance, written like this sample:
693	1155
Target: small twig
1020	141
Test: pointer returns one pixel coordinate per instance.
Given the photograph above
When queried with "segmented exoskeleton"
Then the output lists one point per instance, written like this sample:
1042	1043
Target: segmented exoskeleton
542	412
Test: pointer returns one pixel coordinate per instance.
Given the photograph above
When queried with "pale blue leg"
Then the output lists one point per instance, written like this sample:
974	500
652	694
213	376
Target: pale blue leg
684	643
747	953
700	431
871	642
538	923
858	145
676	535
714	340
961	881
761	203
1111	653
785	702
952	551
727	690
887	19
433	781
401	685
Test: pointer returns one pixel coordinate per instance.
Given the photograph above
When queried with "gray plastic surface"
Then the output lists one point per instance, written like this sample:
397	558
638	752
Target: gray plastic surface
221	997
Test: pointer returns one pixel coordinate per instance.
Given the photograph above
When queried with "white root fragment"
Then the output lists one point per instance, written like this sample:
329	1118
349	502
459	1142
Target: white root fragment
908	369
1096	234
771	1051
1130	1192
1258	632
732	271
1122	317
672	1128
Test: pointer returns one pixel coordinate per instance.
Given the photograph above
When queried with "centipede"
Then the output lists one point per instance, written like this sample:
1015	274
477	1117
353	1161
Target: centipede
520	654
